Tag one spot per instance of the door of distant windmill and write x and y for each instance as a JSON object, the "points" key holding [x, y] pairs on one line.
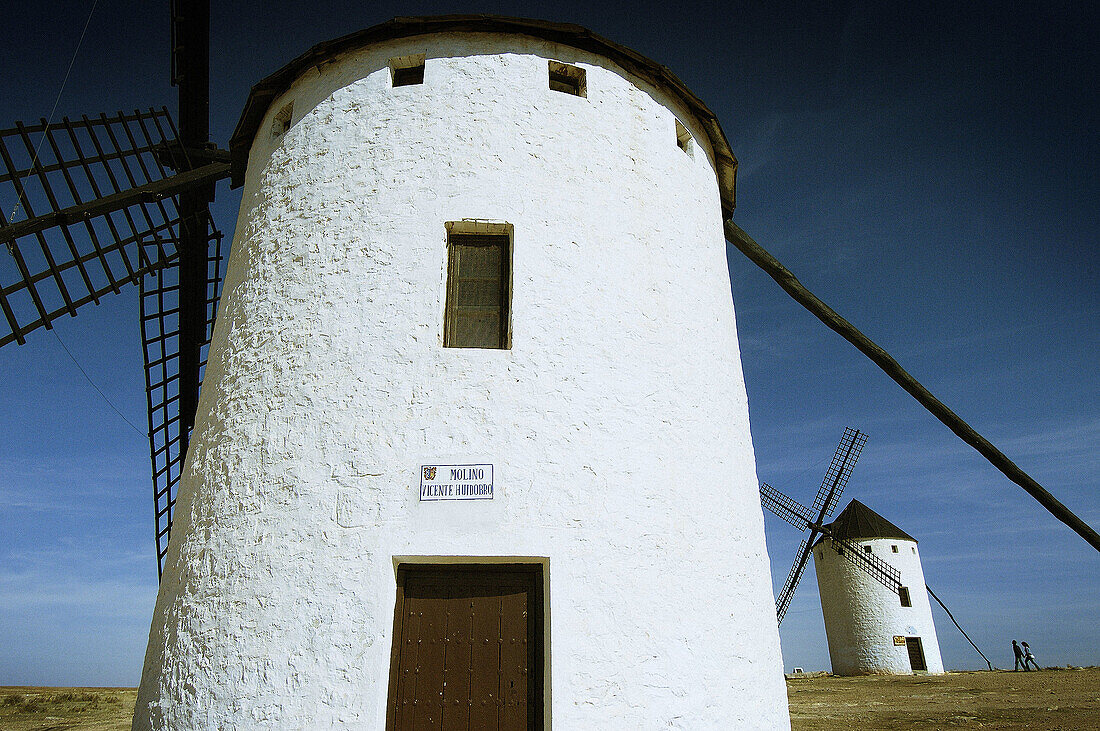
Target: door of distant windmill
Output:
{"points": [[467, 651], [916, 653]]}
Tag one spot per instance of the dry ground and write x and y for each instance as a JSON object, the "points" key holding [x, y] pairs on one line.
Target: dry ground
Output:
{"points": [[1052, 700], [57, 709]]}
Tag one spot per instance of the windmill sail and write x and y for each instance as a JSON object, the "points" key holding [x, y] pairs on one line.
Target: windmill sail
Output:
{"points": [[793, 577], [93, 205], [785, 507], [161, 335], [803, 518], [882, 572], [836, 477], [88, 208]]}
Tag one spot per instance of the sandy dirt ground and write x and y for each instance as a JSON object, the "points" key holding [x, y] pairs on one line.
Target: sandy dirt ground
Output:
{"points": [[1049, 699], [1052, 700]]}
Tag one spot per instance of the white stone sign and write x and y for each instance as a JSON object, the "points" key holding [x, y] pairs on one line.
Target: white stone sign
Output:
{"points": [[456, 482]]}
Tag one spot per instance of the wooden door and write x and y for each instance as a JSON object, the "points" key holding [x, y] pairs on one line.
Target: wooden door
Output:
{"points": [[467, 652], [916, 653]]}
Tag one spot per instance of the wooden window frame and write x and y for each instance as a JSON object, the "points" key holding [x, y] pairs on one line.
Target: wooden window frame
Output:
{"points": [[536, 628], [567, 79], [281, 122], [464, 233], [407, 70], [903, 594], [684, 139]]}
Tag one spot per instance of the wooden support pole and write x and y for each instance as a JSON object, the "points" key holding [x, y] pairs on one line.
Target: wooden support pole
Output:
{"points": [[790, 284]]}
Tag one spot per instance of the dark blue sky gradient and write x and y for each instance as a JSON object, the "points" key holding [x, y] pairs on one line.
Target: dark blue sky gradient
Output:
{"points": [[928, 171]]}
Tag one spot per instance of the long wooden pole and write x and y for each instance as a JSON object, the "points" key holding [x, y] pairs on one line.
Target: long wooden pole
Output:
{"points": [[790, 284]]}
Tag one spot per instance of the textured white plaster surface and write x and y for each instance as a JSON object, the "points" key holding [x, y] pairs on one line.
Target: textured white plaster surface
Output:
{"points": [[617, 423], [862, 616]]}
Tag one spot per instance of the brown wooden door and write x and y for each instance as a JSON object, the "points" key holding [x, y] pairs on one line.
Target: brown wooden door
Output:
{"points": [[916, 653], [467, 652]]}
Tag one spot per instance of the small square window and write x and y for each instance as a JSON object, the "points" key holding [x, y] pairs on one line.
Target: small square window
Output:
{"points": [[903, 593], [866, 549], [567, 79], [893, 549], [281, 123], [913, 549], [683, 139], [407, 70], [479, 272]]}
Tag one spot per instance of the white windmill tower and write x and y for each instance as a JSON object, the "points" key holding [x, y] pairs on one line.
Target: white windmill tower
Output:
{"points": [[872, 629], [472, 446], [873, 593]]}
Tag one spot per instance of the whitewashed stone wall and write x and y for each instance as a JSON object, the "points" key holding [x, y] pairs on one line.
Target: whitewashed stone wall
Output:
{"points": [[617, 422], [862, 616]]}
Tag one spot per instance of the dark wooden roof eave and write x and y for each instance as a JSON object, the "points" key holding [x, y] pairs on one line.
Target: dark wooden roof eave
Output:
{"points": [[261, 95]]}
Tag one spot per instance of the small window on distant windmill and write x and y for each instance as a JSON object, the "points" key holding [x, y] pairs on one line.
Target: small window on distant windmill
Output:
{"points": [[683, 138], [903, 592], [866, 549], [567, 79], [893, 549], [913, 549], [407, 70], [281, 124]]}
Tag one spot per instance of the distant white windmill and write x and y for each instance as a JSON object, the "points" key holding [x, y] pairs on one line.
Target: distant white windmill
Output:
{"points": [[865, 567], [871, 627]]}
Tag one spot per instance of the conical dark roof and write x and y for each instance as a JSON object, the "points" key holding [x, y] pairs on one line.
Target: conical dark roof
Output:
{"points": [[857, 521]]}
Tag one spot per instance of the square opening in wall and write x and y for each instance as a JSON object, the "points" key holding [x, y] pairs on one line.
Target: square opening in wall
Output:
{"points": [[683, 138], [893, 549], [567, 79], [407, 70], [281, 123], [866, 549]]}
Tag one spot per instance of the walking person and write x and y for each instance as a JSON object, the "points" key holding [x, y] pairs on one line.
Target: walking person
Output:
{"points": [[1019, 654], [1029, 658]]}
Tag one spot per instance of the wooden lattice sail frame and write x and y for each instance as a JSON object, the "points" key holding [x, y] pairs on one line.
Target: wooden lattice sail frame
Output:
{"points": [[93, 205]]}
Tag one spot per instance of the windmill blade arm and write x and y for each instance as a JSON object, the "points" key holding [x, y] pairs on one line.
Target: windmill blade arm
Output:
{"points": [[785, 507], [840, 469], [881, 571], [787, 592], [148, 193]]}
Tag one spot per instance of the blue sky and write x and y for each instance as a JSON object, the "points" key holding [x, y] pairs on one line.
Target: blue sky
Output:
{"points": [[929, 172]]}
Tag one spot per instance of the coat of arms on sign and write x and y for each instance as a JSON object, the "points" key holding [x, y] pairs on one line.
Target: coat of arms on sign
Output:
{"points": [[429, 473]]}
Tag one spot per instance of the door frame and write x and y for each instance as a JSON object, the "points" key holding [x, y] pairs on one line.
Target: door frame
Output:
{"points": [[538, 606], [916, 642]]}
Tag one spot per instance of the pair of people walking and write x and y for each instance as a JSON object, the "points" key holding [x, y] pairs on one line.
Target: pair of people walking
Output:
{"points": [[1023, 656]]}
